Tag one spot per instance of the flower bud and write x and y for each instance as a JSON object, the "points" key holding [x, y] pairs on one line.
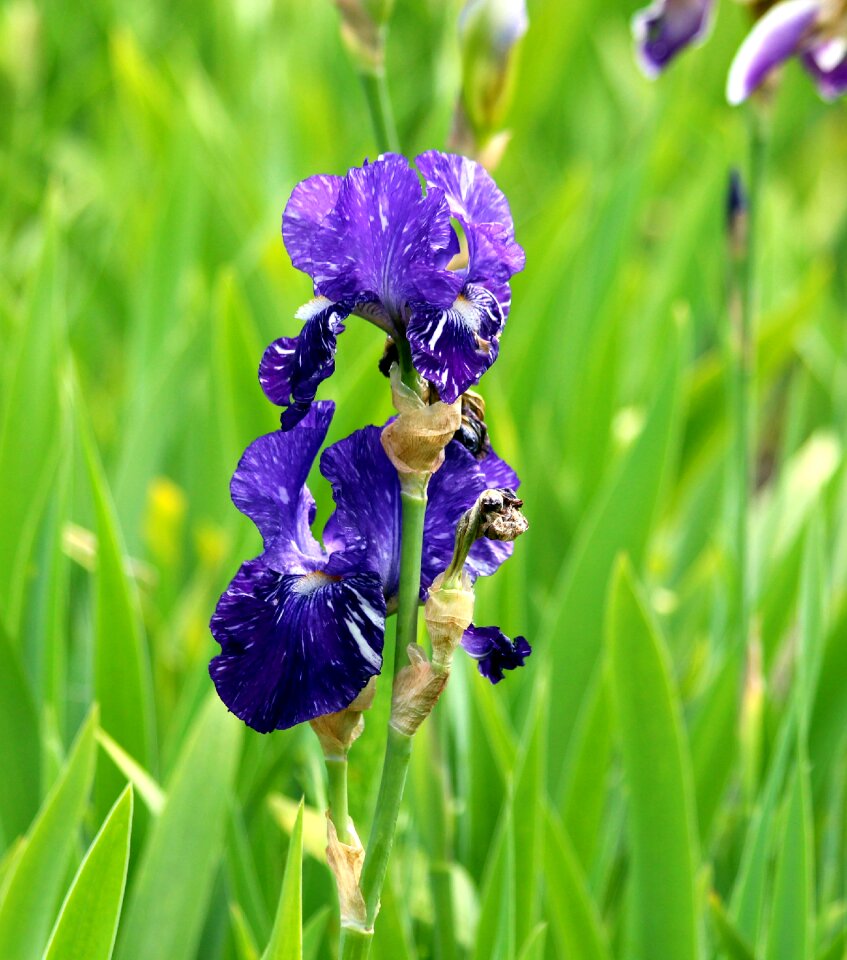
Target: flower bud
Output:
{"points": [[337, 731], [489, 31], [345, 860], [362, 23], [417, 688], [448, 613], [416, 439]]}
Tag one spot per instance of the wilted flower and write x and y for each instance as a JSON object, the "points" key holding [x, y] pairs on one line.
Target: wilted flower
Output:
{"points": [[375, 246], [301, 627], [666, 28], [813, 30], [494, 651]]}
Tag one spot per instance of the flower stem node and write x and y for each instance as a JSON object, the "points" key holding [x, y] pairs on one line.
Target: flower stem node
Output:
{"points": [[415, 440], [337, 731], [417, 688], [345, 860], [448, 614]]}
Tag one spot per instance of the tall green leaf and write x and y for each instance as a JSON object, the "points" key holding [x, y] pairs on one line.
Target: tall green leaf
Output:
{"points": [[657, 766], [88, 921], [286, 941], [31, 888], [170, 893]]}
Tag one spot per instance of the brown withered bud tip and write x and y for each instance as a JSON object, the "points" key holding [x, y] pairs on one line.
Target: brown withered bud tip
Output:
{"points": [[500, 515], [389, 356], [473, 432], [417, 688]]}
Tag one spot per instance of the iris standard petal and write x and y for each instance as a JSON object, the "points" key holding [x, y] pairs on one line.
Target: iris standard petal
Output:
{"points": [[494, 651], [385, 241], [292, 368], [778, 35], [667, 27], [367, 502], [295, 647], [454, 346], [269, 486], [310, 203]]}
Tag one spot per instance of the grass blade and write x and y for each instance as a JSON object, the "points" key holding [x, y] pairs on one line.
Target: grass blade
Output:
{"points": [[286, 941]]}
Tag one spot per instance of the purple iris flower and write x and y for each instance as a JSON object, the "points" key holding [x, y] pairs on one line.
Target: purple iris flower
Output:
{"points": [[667, 27], [813, 30], [377, 246], [494, 651], [301, 627]]}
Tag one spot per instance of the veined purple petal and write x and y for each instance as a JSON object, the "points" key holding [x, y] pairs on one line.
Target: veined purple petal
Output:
{"points": [[384, 241], [454, 346], [367, 515], [292, 368], [295, 647], [269, 486], [667, 27], [778, 35], [310, 203], [827, 63], [367, 497], [494, 651]]}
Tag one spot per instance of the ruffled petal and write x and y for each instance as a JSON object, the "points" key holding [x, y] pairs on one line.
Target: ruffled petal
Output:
{"points": [[666, 28], [453, 347], [827, 63], [310, 204], [367, 502], [494, 651], [292, 368], [269, 486], [778, 35], [384, 241], [295, 647]]}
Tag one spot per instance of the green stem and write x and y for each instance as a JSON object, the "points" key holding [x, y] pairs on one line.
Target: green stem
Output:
{"points": [[336, 769], [355, 944], [379, 105], [745, 379]]}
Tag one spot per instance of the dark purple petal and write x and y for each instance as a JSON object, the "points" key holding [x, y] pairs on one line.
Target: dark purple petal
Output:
{"points": [[494, 651], [367, 498], [367, 515], [667, 27], [453, 347], [778, 35], [269, 486], [827, 63], [295, 647], [310, 203], [453, 489], [293, 368], [384, 240]]}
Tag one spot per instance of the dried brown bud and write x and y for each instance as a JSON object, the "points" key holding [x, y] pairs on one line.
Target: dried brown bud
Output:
{"points": [[417, 688], [415, 441], [448, 613], [345, 860], [337, 731], [473, 432], [500, 515]]}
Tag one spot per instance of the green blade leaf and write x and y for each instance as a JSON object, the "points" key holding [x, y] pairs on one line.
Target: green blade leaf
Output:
{"points": [[573, 915], [31, 887], [790, 934], [168, 899], [657, 766], [286, 941], [88, 921], [20, 746], [731, 941]]}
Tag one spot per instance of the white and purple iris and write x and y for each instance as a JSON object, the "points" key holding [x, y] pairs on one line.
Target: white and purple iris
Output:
{"points": [[377, 246], [815, 31], [301, 627]]}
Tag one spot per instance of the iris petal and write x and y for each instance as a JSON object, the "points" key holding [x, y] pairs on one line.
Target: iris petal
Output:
{"points": [[295, 647], [494, 651], [269, 487], [666, 28], [828, 72]]}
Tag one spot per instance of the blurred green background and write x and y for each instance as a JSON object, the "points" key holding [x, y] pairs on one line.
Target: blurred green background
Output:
{"points": [[642, 788]]}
